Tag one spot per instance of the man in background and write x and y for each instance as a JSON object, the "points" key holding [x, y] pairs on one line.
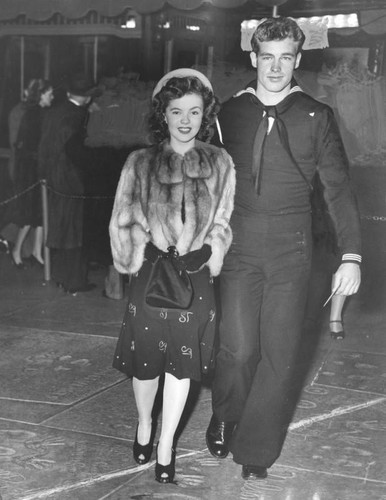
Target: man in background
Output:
{"points": [[60, 160]]}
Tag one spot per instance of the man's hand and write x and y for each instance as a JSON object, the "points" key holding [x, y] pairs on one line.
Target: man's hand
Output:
{"points": [[347, 279]]}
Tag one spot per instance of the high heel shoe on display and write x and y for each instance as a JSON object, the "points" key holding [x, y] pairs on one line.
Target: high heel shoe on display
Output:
{"points": [[144, 451], [165, 473]]}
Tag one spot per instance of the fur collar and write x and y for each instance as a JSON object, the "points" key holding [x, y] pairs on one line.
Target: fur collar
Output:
{"points": [[172, 167]]}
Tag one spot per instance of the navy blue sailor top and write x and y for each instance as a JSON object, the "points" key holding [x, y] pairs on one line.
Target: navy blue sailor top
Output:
{"points": [[315, 144]]}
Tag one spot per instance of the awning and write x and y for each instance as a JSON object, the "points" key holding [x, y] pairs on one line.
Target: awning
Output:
{"points": [[41, 10], [372, 20]]}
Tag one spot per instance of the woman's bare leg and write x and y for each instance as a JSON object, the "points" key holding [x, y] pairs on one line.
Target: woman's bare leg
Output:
{"points": [[21, 236], [337, 303], [38, 244], [145, 392], [174, 399]]}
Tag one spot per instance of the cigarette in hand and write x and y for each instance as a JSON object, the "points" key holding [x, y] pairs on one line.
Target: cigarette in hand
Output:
{"points": [[329, 298]]}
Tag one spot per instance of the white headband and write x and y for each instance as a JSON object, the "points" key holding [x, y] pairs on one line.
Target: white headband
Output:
{"points": [[181, 73]]}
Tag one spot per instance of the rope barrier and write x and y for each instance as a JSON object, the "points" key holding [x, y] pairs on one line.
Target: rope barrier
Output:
{"points": [[381, 218], [79, 196], [18, 195], [44, 198], [64, 195]]}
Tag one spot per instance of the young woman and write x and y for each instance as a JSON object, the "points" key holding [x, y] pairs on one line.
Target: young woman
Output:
{"points": [[28, 213], [179, 192]]}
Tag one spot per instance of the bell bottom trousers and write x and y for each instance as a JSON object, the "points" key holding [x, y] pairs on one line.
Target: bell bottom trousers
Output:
{"points": [[263, 291]]}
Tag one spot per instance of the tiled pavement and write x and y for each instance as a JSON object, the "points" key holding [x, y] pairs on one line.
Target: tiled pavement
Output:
{"points": [[67, 419]]}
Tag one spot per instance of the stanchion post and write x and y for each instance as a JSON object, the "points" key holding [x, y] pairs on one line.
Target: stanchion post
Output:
{"points": [[47, 262]]}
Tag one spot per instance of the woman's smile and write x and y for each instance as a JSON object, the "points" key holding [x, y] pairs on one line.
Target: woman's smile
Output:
{"points": [[184, 118]]}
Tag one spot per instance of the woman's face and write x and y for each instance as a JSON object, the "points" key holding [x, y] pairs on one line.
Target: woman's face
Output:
{"points": [[184, 117], [46, 98]]}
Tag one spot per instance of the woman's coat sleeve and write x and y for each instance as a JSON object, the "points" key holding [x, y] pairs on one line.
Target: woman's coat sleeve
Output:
{"points": [[129, 231], [219, 236]]}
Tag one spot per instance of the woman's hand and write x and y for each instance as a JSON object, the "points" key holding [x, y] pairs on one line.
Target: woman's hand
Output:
{"points": [[152, 253], [196, 259]]}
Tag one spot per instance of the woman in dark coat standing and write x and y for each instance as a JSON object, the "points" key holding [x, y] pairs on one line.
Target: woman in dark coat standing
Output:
{"points": [[62, 128], [28, 213]]}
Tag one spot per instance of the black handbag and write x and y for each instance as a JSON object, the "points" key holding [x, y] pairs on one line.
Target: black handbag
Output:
{"points": [[169, 285]]}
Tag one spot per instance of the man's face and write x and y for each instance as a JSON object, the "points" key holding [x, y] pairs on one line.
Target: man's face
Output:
{"points": [[275, 64]]}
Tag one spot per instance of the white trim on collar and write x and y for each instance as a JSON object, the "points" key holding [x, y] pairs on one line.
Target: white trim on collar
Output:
{"points": [[251, 90]]}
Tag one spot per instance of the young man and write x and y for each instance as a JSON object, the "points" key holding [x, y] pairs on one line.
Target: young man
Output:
{"points": [[278, 137]]}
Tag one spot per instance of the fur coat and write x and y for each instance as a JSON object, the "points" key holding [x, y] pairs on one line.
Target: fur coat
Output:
{"points": [[157, 187]]}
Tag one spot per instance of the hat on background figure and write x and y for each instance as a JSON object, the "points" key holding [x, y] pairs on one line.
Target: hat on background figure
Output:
{"points": [[81, 84]]}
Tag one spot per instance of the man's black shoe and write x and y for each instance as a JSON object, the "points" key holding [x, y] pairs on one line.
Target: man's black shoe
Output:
{"points": [[253, 472], [218, 436]]}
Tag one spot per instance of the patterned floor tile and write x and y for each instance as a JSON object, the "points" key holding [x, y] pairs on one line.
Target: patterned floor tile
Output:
{"points": [[54, 368], [92, 315], [113, 413], [202, 477], [37, 462], [319, 400], [349, 442], [29, 412], [356, 370]]}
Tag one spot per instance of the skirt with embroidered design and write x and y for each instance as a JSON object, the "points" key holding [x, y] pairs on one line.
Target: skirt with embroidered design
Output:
{"points": [[156, 341]]}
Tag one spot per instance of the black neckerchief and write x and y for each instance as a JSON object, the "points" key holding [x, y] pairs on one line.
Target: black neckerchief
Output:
{"points": [[261, 133]]}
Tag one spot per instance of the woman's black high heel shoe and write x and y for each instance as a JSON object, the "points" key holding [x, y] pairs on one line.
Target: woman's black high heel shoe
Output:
{"points": [[19, 265], [35, 262], [165, 473], [340, 334], [140, 451]]}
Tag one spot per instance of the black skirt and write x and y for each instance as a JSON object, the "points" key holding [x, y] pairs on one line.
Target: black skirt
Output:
{"points": [[156, 341]]}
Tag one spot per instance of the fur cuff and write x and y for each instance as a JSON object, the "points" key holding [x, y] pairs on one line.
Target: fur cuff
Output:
{"points": [[130, 257], [216, 259]]}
